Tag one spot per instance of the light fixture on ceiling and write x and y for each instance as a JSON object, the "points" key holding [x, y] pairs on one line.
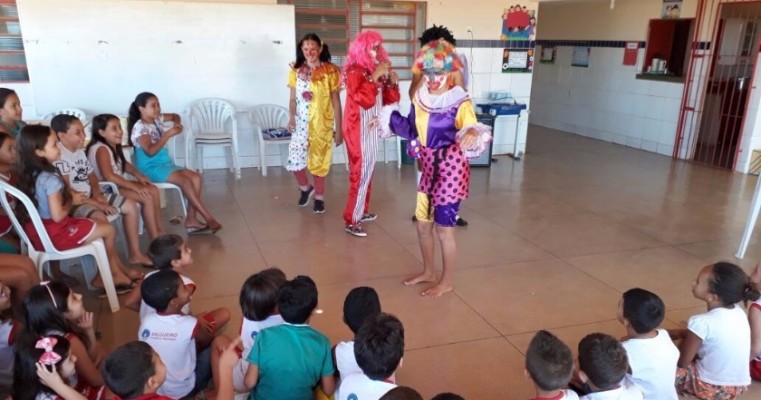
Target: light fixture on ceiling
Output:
{"points": [[612, 4]]}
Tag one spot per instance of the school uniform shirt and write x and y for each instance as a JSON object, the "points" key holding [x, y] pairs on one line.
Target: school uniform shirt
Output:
{"points": [[76, 167], [173, 338], [723, 355], [346, 362], [291, 360], [8, 331], [360, 387], [249, 330], [145, 309], [563, 395], [93, 159], [623, 392], [653, 365]]}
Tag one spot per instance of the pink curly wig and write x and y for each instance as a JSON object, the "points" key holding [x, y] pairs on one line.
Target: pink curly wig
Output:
{"points": [[359, 51]]}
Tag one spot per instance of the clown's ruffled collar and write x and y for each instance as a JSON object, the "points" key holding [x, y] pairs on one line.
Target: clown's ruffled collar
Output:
{"points": [[437, 104], [307, 73]]}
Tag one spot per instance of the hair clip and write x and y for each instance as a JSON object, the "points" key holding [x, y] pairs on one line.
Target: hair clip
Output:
{"points": [[49, 357], [52, 298]]}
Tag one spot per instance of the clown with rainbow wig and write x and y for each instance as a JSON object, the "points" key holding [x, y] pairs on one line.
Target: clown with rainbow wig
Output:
{"points": [[370, 85], [443, 133]]}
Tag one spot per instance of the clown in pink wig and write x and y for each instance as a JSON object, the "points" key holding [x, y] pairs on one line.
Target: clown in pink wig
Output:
{"points": [[370, 84]]}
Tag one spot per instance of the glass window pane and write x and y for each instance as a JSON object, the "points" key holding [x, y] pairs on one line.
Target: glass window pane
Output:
{"points": [[404, 74], [397, 34], [10, 28], [394, 6], [316, 4], [8, 11], [399, 47], [13, 59], [10, 43], [399, 62], [6, 76], [318, 19], [326, 34], [387, 20]]}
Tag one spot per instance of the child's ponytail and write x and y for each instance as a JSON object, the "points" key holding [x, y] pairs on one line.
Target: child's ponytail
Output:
{"points": [[731, 284], [751, 292]]}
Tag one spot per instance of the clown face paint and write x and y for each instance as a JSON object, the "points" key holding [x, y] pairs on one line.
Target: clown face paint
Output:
{"points": [[436, 80], [374, 53], [311, 50]]}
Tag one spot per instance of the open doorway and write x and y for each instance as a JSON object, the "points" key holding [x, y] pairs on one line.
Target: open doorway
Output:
{"points": [[732, 58]]}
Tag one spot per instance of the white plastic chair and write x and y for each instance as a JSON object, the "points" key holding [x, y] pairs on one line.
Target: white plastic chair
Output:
{"points": [[211, 117], [263, 118], [398, 141], [115, 190], [68, 111], [96, 248], [164, 186]]}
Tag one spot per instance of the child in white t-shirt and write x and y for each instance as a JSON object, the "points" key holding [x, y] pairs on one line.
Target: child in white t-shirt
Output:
{"points": [[78, 173], [172, 252], [258, 302], [713, 361], [549, 365], [652, 355], [360, 304], [602, 366], [173, 335], [379, 348]]}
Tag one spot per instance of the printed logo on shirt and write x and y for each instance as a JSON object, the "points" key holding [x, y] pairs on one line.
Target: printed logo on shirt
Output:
{"points": [[253, 334], [352, 396], [146, 334], [80, 169]]}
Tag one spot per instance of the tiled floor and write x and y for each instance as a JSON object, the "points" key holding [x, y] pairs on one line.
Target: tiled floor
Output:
{"points": [[553, 241]]}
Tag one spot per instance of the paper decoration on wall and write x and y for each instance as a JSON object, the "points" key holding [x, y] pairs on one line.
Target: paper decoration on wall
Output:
{"points": [[518, 23], [517, 61], [581, 56], [548, 55], [672, 9], [631, 50]]}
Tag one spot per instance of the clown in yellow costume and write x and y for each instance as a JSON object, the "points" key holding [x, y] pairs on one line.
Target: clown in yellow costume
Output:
{"points": [[314, 108]]}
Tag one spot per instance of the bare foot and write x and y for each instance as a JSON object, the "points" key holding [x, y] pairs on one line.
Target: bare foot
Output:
{"points": [[141, 259], [214, 225], [437, 290], [420, 278], [132, 275]]}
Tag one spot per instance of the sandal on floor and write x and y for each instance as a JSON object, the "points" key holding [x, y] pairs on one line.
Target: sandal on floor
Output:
{"points": [[175, 220], [198, 230]]}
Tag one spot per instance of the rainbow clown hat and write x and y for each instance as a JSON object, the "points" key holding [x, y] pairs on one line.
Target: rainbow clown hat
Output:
{"points": [[438, 54]]}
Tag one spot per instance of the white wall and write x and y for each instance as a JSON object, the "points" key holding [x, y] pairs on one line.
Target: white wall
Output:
{"points": [[606, 102]]}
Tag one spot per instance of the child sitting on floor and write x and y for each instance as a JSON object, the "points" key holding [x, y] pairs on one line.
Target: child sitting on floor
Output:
{"points": [[134, 371], [173, 335], [549, 365], [713, 360], [602, 366], [361, 304], [172, 252], [292, 355], [379, 348], [652, 355]]}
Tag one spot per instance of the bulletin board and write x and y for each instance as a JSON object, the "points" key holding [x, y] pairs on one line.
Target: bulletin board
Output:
{"points": [[98, 55]]}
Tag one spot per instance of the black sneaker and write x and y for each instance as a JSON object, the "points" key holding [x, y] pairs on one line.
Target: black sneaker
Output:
{"points": [[461, 222], [305, 196], [355, 230], [319, 206], [369, 217]]}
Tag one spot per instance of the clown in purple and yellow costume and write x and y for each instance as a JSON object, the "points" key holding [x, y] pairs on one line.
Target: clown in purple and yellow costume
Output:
{"points": [[444, 133]]}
